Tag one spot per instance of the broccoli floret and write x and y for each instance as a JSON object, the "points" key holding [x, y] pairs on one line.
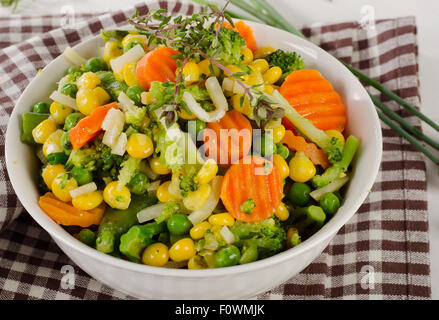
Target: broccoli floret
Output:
{"points": [[138, 238], [171, 208], [227, 50], [135, 116], [287, 61], [188, 181], [116, 35], [338, 167], [268, 236], [128, 168], [247, 206], [83, 158]]}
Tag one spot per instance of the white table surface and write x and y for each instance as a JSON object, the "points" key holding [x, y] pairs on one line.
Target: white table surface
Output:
{"points": [[320, 11]]}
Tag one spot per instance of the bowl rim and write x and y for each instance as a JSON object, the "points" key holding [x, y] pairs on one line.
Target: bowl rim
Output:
{"points": [[327, 231]]}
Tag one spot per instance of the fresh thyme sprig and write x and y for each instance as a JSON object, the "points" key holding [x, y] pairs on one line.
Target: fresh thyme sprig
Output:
{"points": [[200, 37]]}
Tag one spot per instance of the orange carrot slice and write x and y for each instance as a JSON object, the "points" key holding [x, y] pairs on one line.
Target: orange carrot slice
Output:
{"points": [[314, 98], [297, 143], [156, 65], [252, 179], [228, 139], [89, 127], [67, 215]]}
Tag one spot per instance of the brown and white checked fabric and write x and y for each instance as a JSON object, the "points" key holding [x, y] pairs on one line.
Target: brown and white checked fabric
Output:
{"points": [[389, 233]]}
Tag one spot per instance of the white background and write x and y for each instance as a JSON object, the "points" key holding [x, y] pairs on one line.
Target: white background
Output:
{"points": [[320, 11]]}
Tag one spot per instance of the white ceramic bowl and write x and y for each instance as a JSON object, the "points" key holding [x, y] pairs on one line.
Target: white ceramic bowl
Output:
{"points": [[236, 282]]}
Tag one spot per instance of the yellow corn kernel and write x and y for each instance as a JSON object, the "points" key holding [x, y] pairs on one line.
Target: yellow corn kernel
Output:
{"points": [[255, 79], [182, 113], [89, 99], [156, 165], [59, 112], [88, 80], [118, 76], [191, 73], [222, 219], [43, 130], [197, 262], [247, 55], [278, 134], [111, 50], [259, 65], [196, 199], [197, 232], [50, 172], [272, 75], [115, 197], [273, 123], [53, 143], [216, 228], [88, 201], [163, 194], [290, 233], [262, 52], [207, 172], [156, 255], [61, 187], [301, 168], [204, 68], [336, 134], [245, 107], [182, 250], [281, 165], [135, 37], [282, 212], [139, 146], [129, 73], [269, 89]]}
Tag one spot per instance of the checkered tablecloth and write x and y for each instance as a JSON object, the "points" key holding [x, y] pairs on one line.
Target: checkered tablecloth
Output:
{"points": [[386, 241]]}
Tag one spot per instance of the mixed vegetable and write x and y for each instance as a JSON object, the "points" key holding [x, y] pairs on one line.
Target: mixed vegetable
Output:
{"points": [[188, 146]]}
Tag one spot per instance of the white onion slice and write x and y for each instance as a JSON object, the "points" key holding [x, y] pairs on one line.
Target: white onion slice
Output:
{"points": [[216, 94], [174, 188], [121, 144], [132, 55], [125, 102], [111, 136], [114, 117], [63, 99], [211, 203], [227, 235], [86, 188], [150, 213], [232, 86], [73, 57], [153, 187]]}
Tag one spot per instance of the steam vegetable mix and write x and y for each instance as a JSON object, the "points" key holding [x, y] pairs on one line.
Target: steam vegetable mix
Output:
{"points": [[131, 149]]}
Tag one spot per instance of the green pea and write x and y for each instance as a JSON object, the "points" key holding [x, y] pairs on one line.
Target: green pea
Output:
{"points": [[41, 107], [282, 150], [131, 44], [179, 224], [73, 70], [299, 194], [227, 256], [330, 203], [133, 92], [264, 145], [199, 126], [95, 64], [81, 175], [87, 237], [66, 145], [139, 183], [69, 89], [57, 158], [72, 120], [249, 254]]}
